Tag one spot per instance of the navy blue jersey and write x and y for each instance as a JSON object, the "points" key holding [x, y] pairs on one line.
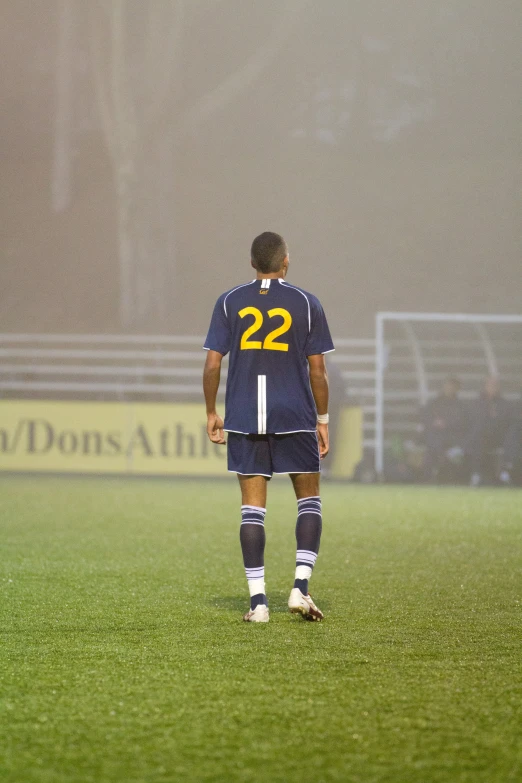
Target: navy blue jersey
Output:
{"points": [[269, 328]]}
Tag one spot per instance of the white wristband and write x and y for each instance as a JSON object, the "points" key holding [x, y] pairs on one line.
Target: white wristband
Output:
{"points": [[323, 418]]}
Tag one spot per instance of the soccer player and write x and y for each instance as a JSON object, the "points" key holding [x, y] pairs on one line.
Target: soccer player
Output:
{"points": [[276, 409]]}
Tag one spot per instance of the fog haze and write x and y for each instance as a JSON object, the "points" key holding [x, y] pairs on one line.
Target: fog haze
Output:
{"points": [[145, 143]]}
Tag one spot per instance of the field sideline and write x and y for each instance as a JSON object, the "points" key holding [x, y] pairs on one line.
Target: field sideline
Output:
{"points": [[123, 656]]}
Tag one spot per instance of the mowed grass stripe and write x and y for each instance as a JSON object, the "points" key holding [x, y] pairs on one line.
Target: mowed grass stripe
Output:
{"points": [[124, 657]]}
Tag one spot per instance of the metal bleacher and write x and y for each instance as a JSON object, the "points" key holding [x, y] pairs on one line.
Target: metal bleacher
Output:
{"points": [[147, 367], [390, 377]]}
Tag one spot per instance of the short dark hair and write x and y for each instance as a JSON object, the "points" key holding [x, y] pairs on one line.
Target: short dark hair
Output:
{"points": [[268, 252]]}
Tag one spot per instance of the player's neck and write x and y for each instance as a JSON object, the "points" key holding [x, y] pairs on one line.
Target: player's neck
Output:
{"points": [[270, 276]]}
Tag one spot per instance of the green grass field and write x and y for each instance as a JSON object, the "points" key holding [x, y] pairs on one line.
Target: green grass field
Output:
{"points": [[123, 655]]}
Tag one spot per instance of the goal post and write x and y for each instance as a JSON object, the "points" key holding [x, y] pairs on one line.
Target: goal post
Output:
{"points": [[416, 351]]}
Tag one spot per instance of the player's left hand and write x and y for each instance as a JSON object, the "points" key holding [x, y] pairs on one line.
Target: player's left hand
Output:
{"points": [[215, 426], [324, 440]]}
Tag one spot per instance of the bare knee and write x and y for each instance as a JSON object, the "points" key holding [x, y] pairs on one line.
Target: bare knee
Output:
{"points": [[253, 490], [306, 485]]}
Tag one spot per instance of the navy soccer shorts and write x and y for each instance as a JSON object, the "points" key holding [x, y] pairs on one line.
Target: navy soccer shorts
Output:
{"points": [[263, 455]]}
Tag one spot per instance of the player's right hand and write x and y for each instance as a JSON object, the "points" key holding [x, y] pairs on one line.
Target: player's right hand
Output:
{"points": [[324, 440], [215, 430]]}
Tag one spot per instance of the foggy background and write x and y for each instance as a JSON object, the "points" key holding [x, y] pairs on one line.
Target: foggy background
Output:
{"points": [[146, 142]]}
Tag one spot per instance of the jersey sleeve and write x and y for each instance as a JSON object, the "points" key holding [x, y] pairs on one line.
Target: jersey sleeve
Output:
{"points": [[319, 338], [219, 335]]}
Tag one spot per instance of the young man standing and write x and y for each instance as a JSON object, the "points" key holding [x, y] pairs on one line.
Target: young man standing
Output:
{"points": [[276, 409]]}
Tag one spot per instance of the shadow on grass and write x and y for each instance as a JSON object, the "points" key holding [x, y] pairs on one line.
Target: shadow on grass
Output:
{"points": [[230, 603], [278, 603]]}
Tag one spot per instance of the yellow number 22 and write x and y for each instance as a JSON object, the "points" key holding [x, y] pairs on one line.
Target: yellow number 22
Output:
{"points": [[269, 344]]}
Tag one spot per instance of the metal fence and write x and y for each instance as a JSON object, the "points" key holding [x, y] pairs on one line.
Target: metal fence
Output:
{"points": [[159, 367], [389, 377]]}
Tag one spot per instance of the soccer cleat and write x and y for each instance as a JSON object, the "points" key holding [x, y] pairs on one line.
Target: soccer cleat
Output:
{"points": [[303, 605], [257, 615]]}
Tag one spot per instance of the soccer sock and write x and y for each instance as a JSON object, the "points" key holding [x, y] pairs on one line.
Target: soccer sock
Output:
{"points": [[252, 537], [308, 536]]}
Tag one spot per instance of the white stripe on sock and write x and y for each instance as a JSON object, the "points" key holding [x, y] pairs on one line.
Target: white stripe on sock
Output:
{"points": [[255, 573], [303, 556]]}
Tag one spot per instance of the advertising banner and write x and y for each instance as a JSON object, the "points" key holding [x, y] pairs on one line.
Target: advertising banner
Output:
{"points": [[107, 437], [124, 438], [348, 450]]}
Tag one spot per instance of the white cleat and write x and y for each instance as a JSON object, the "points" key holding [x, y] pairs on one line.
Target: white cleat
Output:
{"points": [[303, 605], [258, 615]]}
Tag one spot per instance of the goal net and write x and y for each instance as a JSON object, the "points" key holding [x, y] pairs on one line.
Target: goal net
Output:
{"points": [[415, 352]]}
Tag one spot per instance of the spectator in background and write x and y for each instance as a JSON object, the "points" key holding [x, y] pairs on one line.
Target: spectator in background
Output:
{"points": [[443, 424], [512, 458], [490, 420]]}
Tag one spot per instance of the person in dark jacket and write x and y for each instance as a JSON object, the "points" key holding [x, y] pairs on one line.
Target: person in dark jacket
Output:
{"points": [[443, 423], [491, 417], [512, 461]]}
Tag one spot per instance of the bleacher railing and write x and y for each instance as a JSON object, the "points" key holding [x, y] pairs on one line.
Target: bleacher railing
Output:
{"points": [[159, 367]]}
